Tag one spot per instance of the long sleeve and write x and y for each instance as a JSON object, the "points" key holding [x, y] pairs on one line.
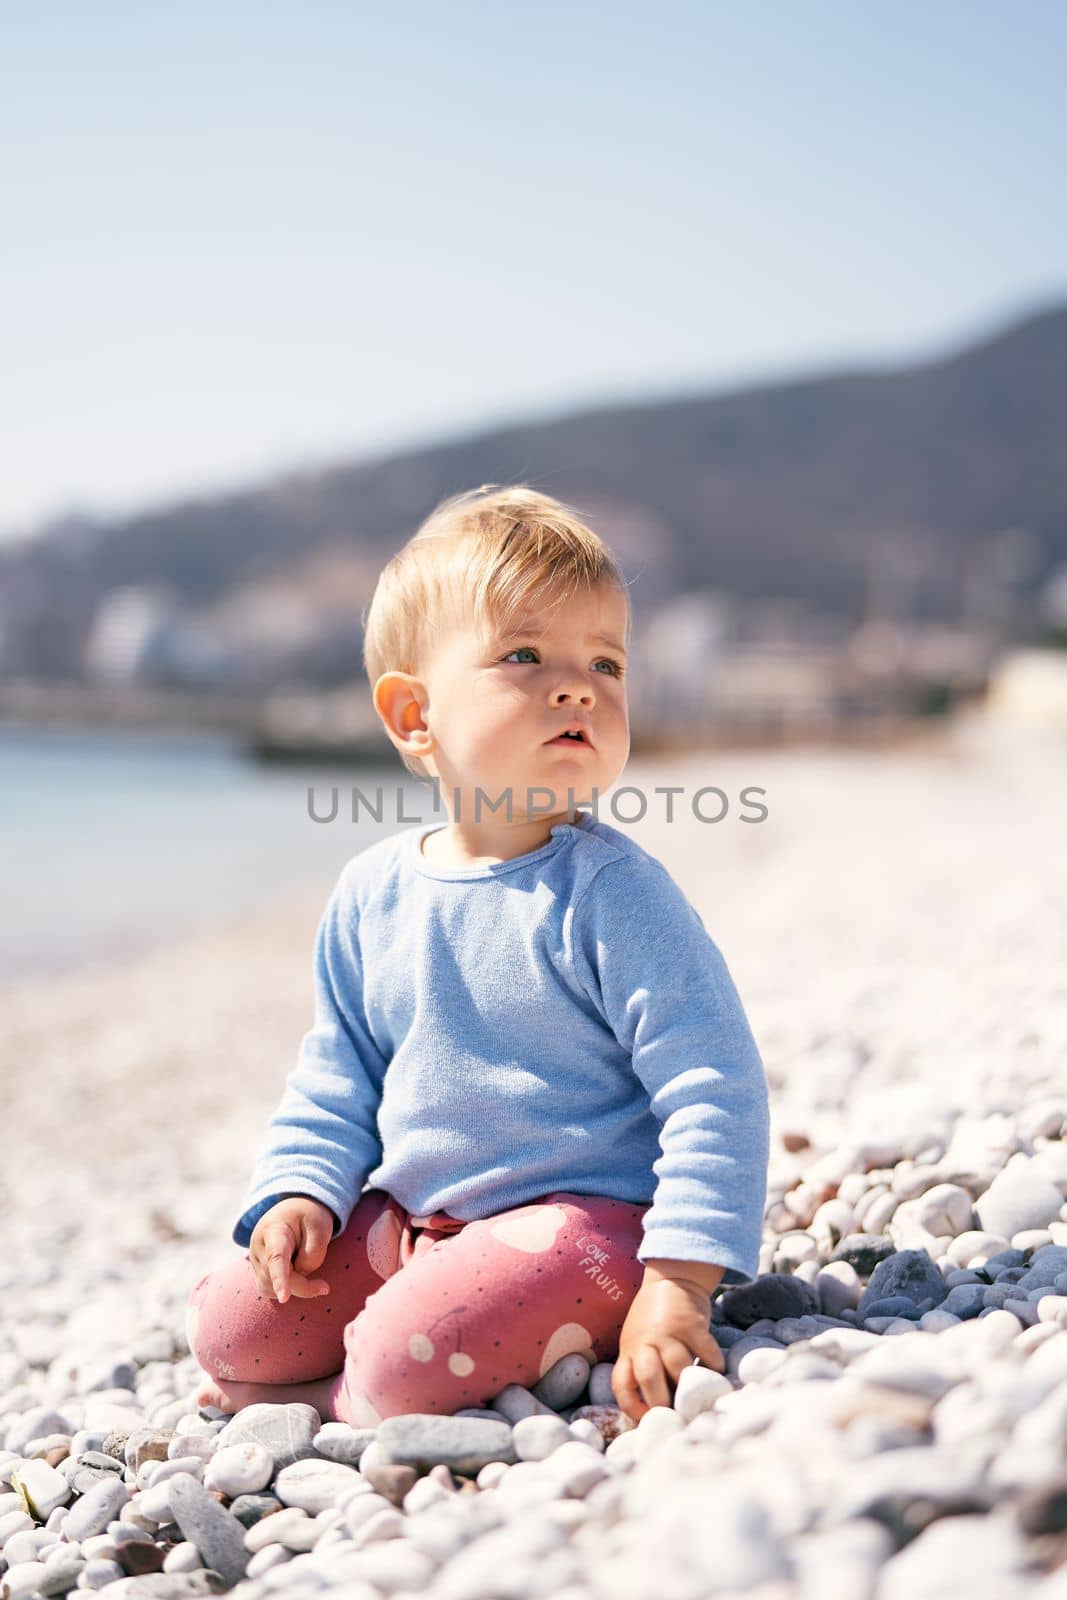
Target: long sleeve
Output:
{"points": [[323, 1137], [661, 984]]}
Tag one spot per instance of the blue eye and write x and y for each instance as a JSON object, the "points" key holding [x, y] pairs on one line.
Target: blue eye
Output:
{"points": [[616, 667]]}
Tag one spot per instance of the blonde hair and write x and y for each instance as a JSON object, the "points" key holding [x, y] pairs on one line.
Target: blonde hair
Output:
{"points": [[486, 556]]}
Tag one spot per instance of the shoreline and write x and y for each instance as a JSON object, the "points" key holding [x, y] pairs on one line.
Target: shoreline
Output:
{"points": [[882, 893]]}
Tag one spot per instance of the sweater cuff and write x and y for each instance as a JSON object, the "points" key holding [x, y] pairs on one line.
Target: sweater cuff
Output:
{"points": [[675, 1244], [264, 1199]]}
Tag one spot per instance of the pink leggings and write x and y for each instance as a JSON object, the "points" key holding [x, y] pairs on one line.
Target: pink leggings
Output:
{"points": [[429, 1313]]}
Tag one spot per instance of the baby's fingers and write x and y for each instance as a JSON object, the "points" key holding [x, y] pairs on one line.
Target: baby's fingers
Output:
{"points": [[303, 1288], [279, 1242], [625, 1390]]}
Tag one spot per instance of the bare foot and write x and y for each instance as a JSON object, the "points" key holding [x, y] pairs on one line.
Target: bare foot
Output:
{"points": [[231, 1397]]}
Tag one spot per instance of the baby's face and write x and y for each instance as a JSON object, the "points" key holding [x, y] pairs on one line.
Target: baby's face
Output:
{"points": [[497, 704]]}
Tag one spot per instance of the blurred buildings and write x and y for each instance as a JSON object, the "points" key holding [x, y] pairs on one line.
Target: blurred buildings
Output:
{"points": [[806, 558], [283, 659]]}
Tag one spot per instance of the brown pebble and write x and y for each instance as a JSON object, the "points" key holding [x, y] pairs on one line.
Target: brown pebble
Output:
{"points": [[137, 1560], [392, 1481], [55, 1456], [608, 1420], [147, 1444], [895, 1405], [1047, 1551], [796, 1141]]}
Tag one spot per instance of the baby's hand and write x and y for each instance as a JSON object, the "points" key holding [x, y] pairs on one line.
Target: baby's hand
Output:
{"points": [[295, 1233], [666, 1326]]}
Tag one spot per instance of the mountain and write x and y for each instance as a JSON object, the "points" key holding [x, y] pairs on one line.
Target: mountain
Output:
{"points": [[809, 489]]}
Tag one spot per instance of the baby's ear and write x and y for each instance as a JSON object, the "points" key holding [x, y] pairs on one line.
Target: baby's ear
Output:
{"points": [[398, 699]]}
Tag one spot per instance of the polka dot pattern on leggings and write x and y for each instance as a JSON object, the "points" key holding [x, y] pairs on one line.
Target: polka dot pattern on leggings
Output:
{"points": [[533, 1229], [569, 1340], [420, 1347], [383, 1244]]}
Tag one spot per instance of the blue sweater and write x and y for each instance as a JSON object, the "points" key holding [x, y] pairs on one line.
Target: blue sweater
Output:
{"points": [[486, 1035]]}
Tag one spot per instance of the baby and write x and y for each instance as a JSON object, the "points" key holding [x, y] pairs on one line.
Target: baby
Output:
{"points": [[530, 1119]]}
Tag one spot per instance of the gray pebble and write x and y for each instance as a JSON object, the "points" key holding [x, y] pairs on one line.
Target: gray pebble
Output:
{"points": [[214, 1531], [338, 1442], [793, 1330], [894, 1305], [1005, 1258], [997, 1295], [1025, 1310], [911, 1274], [563, 1383], [514, 1402], [774, 1295], [96, 1509], [863, 1251], [965, 1300], [107, 1375], [600, 1390], [1047, 1265], [725, 1336], [286, 1431], [463, 1444], [250, 1508]]}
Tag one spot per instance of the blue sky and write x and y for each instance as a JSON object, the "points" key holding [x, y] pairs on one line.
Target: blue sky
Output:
{"points": [[240, 238]]}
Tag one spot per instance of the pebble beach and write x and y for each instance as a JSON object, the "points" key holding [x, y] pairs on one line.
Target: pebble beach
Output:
{"points": [[892, 1420]]}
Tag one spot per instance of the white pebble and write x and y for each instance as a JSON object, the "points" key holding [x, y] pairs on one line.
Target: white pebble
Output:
{"points": [[756, 1362], [43, 1486], [240, 1469], [184, 1557], [577, 1467], [697, 1390], [24, 1578], [535, 1438], [99, 1573], [314, 1484], [425, 1492], [527, 1483], [385, 1524], [272, 1555], [29, 1545], [360, 1508], [275, 1529]]}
